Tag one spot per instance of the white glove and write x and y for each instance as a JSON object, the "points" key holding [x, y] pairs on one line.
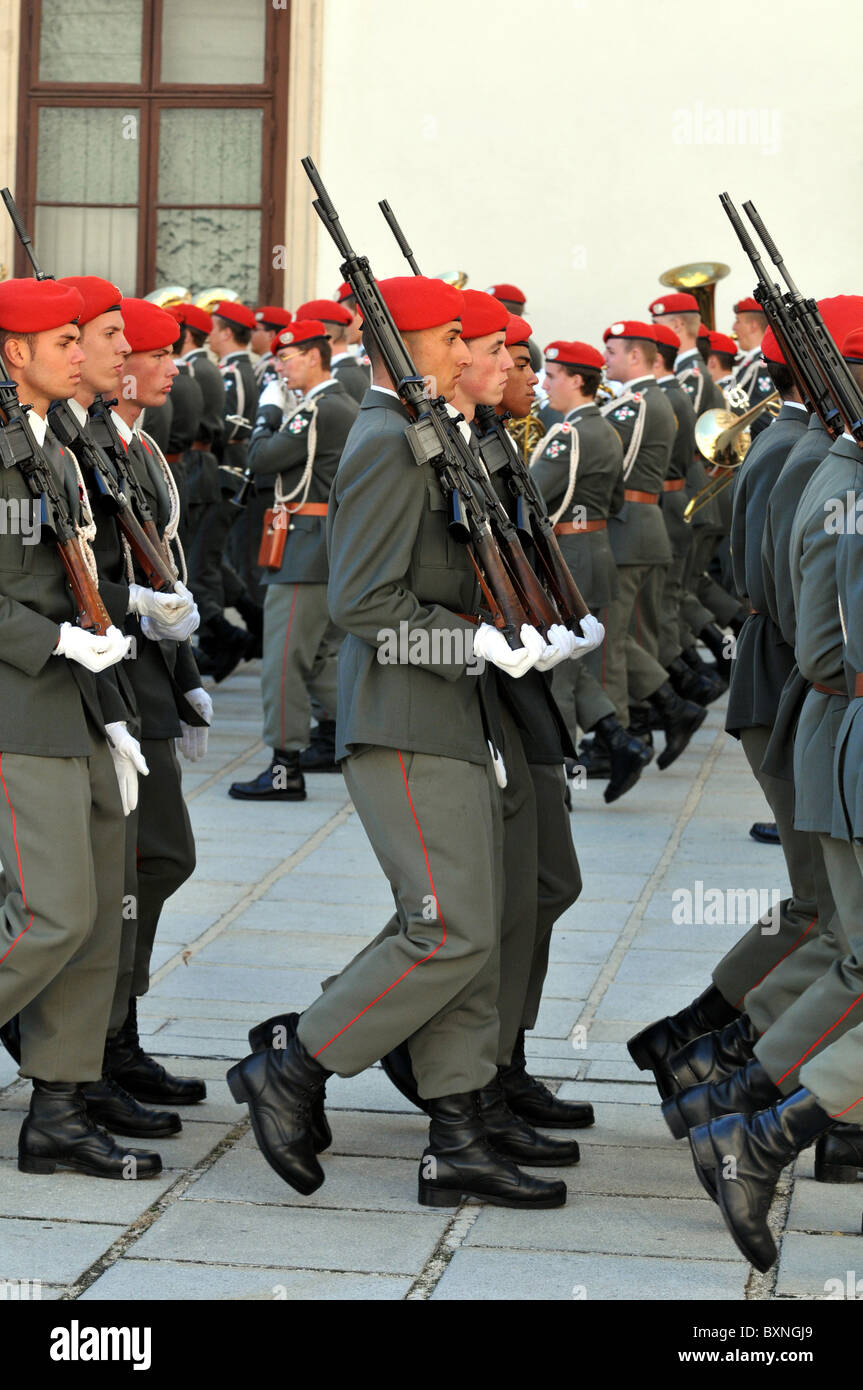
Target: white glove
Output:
{"points": [[491, 645], [193, 744], [89, 650], [128, 762], [561, 646], [200, 702], [165, 607], [498, 764], [594, 636]]}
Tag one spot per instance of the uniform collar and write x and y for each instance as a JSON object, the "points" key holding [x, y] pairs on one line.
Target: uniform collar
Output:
{"points": [[39, 426], [321, 386], [684, 358], [639, 383], [340, 357], [236, 356], [579, 411], [78, 411], [122, 428]]}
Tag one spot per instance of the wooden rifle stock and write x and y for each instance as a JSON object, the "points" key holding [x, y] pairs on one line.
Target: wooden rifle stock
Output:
{"points": [[92, 614]]}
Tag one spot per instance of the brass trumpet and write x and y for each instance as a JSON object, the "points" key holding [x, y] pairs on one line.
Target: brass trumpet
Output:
{"points": [[723, 438]]}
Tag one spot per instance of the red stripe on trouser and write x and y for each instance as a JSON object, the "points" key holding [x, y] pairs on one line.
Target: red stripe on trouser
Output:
{"points": [[847, 1108], [285, 661], [792, 947], [825, 1034], [437, 908], [18, 856]]}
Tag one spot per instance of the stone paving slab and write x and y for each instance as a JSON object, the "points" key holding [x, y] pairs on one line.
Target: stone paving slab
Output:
{"points": [[168, 1280], [525, 1275]]}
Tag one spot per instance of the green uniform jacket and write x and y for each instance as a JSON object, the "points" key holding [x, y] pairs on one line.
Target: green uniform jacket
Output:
{"points": [[157, 421], [763, 660], [819, 645], [395, 569], [209, 378], [801, 463], [353, 376], [241, 398], [285, 452], [598, 490], [704, 394], [637, 533], [187, 400], [848, 766], [673, 504]]}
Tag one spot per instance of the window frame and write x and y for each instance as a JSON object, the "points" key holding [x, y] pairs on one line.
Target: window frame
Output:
{"points": [[150, 98]]}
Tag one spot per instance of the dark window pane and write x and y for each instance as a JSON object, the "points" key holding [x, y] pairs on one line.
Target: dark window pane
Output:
{"points": [[209, 246]]}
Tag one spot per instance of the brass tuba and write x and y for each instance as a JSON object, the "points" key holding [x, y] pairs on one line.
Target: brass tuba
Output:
{"points": [[457, 278], [526, 431], [208, 299], [723, 439], [169, 294], [698, 278]]}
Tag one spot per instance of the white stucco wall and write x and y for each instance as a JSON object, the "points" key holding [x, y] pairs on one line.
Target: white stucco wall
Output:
{"points": [[577, 147]]}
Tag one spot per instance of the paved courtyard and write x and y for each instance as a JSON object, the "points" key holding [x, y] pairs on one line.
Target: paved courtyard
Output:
{"points": [[283, 895]]}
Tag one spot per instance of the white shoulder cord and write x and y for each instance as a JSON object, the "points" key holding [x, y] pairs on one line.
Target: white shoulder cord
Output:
{"points": [[85, 533], [574, 454], [169, 535], [635, 442], [301, 491]]}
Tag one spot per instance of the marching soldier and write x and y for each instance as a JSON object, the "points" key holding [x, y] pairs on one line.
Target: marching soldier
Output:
{"points": [[298, 457], [750, 324], [578, 468], [720, 360], [353, 372], [415, 738], [345, 296], [269, 320], [230, 339], [681, 314], [510, 296], [67, 777], [645, 422]]}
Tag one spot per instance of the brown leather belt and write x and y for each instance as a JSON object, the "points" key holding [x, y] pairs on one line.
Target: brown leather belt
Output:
{"points": [[308, 509], [201, 444], [673, 484], [573, 528], [828, 690], [858, 686], [174, 458], [632, 496]]}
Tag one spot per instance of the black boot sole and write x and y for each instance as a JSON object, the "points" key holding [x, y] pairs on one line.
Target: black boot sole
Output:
{"points": [[431, 1196], [130, 1131], [664, 760], [241, 1095], [610, 796], [148, 1097], [30, 1163], [266, 796], [835, 1172], [543, 1122]]}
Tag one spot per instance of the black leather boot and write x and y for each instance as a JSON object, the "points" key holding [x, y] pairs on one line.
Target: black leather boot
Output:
{"points": [[749, 1153], [513, 1138], [742, 1093], [765, 832], [58, 1132], [224, 644], [839, 1155], [142, 1076], [399, 1068], [113, 1108], [653, 1047], [252, 615], [593, 761], [698, 686], [696, 663], [713, 1055], [281, 1087], [642, 722], [281, 781], [627, 756], [459, 1161], [280, 1029], [679, 719], [320, 756], [10, 1036], [534, 1102], [717, 643]]}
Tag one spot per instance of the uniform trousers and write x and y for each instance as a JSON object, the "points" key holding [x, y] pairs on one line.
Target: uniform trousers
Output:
{"points": [[61, 844], [301, 648], [159, 858], [632, 671], [578, 690], [435, 825]]}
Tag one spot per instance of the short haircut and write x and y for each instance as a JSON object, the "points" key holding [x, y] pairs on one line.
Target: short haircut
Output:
{"points": [[198, 335], [178, 341], [242, 334], [648, 349], [370, 346], [668, 353], [590, 377], [28, 338], [691, 319], [725, 359], [324, 348], [782, 378]]}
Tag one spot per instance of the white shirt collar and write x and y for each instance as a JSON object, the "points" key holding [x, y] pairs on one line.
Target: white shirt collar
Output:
{"points": [[685, 356], [669, 376], [122, 428], [78, 411], [387, 391], [798, 405], [340, 357], [639, 381], [39, 426], [321, 386], [749, 356]]}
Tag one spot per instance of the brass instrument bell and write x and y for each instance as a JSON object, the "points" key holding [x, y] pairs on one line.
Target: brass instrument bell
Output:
{"points": [[698, 278]]}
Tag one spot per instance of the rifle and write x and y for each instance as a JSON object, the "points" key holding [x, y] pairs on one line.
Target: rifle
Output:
{"points": [[532, 520], [18, 448], [834, 370], [804, 364], [143, 536]]}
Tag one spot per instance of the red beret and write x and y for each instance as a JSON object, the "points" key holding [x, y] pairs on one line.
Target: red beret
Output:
{"points": [[770, 349], [326, 310], [663, 334], [98, 295], [748, 306], [192, 316], [482, 314], [35, 306], [272, 316], [702, 331], [630, 328], [512, 293], [841, 313], [674, 304], [575, 355], [233, 312], [344, 292], [852, 347], [300, 331], [417, 303], [147, 327], [518, 330], [720, 342]]}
